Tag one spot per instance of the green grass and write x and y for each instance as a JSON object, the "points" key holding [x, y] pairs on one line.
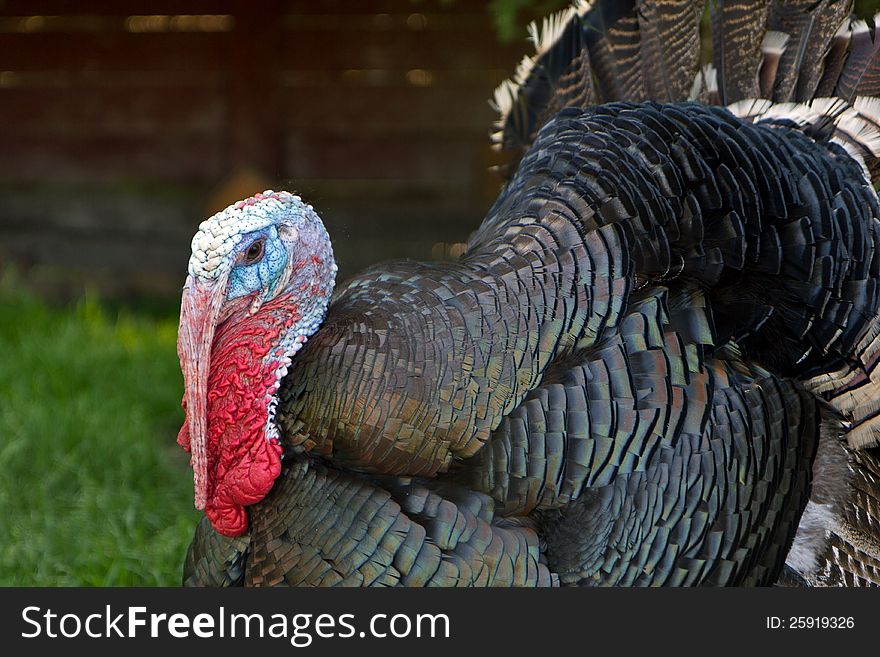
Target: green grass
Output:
{"points": [[93, 488]]}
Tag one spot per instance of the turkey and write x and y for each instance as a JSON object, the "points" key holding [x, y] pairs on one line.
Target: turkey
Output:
{"points": [[654, 364]]}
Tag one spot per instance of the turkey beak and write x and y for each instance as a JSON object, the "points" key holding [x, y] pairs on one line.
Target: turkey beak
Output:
{"points": [[199, 311]]}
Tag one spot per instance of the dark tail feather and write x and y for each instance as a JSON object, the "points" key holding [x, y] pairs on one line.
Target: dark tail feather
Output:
{"points": [[600, 52], [772, 50], [838, 51], [825, 23], [558, 76], [790, 19], [670, 47], [869, 85], [637, 50], [613, 39], [861, 51], [737, 33]]}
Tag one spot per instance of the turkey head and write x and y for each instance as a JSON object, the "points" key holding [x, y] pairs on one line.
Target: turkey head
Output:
{"points": [[260, 278]]}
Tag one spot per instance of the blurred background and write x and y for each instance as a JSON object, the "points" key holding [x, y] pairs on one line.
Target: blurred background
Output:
{"points": [[125, 124]]}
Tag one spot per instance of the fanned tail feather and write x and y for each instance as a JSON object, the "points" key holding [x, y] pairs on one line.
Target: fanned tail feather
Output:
{"points": [[862, 52], [639, 50], [557, 76], [737, 34], [670, 46], [772, 50]]}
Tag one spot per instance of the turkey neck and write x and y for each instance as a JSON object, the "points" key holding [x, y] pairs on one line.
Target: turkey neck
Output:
{"points": [[248, 358], [417, 363]]}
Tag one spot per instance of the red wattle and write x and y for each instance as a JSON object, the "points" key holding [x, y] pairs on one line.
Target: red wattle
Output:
{"points": [[242, 463]]}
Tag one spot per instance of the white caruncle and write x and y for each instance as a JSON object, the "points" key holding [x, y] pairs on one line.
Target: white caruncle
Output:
{"points": [[220, 234], [289, 345]]}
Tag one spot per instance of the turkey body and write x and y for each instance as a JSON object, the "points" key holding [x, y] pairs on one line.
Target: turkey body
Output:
{"points": [[629, 378]]}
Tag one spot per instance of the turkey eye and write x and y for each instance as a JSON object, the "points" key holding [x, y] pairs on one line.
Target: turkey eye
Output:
{"points": [[254, 252]]}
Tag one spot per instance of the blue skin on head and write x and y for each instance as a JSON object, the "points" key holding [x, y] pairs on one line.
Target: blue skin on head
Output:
{"points": [[265, 272]]}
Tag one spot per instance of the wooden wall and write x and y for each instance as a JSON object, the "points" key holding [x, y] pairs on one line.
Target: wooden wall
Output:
{"points": [[123, 124]]}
